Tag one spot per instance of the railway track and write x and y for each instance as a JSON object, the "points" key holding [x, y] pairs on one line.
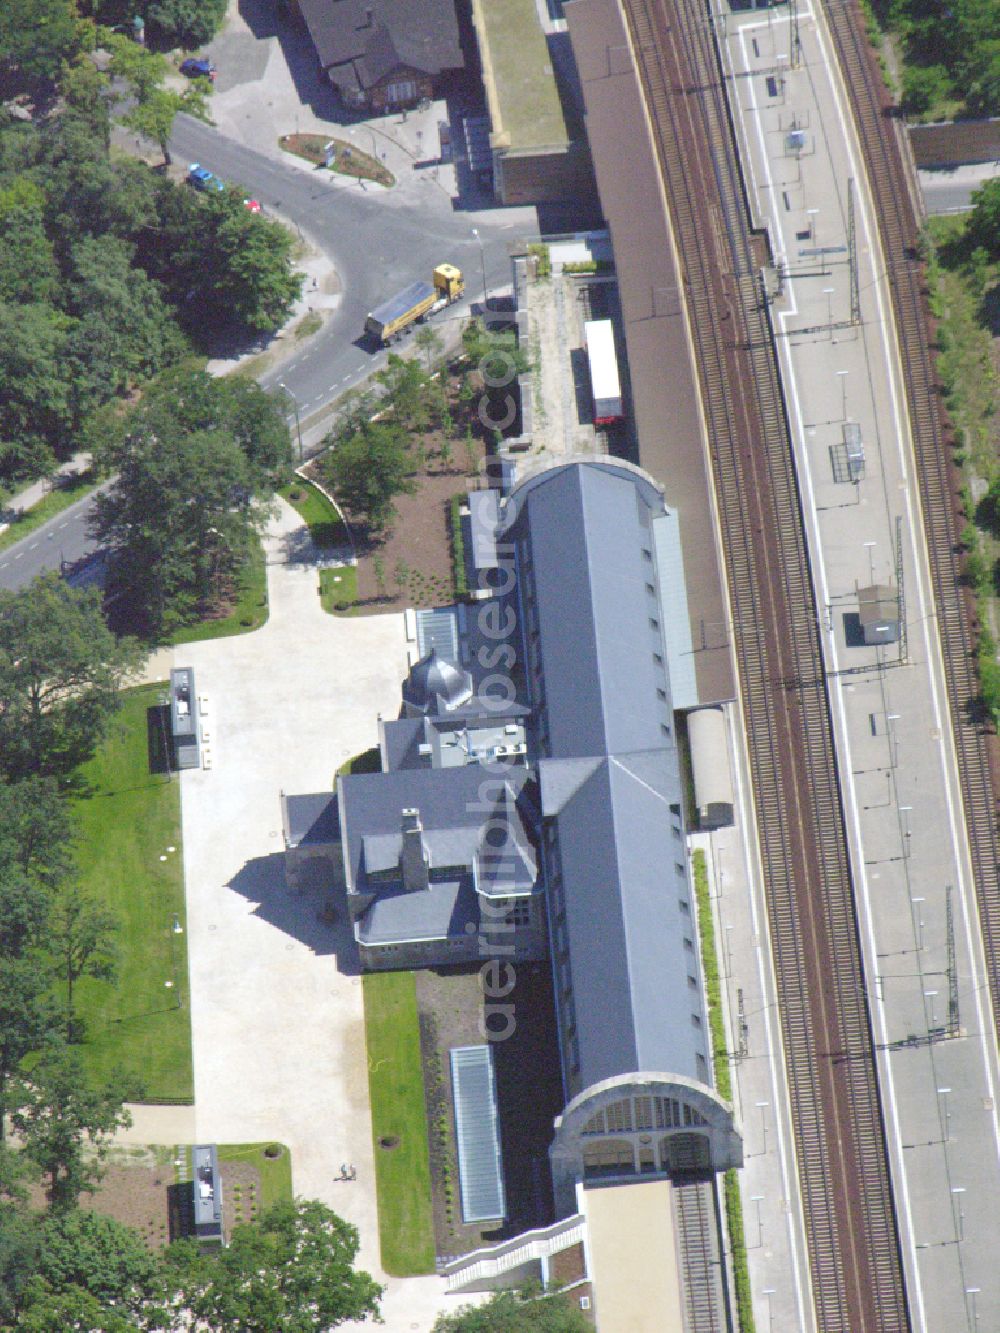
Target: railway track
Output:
{"points": [[706, 1309], [857, 1282], [954, 606]]}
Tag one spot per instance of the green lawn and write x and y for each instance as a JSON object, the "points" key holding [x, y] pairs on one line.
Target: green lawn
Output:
{"points": [[47, 507], [326, 527], [396, 1087], [275, 1172], [126, 822], [338, 589], [249, 612]]}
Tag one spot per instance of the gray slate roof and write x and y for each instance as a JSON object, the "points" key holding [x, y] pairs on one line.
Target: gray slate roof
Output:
{"points": [[311, 819], [612, 773], [454, 804], [419, 34]]}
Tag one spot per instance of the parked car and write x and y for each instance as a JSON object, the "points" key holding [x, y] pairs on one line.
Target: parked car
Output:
{"points": [[196, 68], [203, 179], [252, 204]]}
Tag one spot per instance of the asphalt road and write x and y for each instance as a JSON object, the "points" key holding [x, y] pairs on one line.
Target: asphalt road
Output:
{"points": [[950, 189], [376, 243], [62, 543]]}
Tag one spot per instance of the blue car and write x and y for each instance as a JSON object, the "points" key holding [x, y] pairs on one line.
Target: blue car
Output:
{"points": [[203, 179], [198, 69]]}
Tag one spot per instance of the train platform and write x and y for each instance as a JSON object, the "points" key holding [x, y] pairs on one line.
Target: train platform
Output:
{"points": [[917, 917]]}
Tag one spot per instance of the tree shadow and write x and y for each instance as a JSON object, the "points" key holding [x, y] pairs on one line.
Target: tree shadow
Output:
{"points": [[316, 915]]}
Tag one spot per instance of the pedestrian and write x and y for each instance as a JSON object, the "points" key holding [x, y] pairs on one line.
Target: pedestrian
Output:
{"points": [[343, 1170], [354, 1172]]}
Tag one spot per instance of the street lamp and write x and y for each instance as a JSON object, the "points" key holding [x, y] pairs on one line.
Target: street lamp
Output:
{"points": [[482, 263], [973, 1292], [762, 1107], [295, 406], [946, 1114], [916, 901], [842, 376], [758, 1199], [958, 1191]]}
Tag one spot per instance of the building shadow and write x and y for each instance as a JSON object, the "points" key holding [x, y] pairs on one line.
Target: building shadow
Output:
{"points": [[315, 915], [159, 742], [266, 19]]}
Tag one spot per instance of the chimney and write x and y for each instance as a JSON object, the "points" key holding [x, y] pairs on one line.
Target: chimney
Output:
{"points": [[413, 858]]}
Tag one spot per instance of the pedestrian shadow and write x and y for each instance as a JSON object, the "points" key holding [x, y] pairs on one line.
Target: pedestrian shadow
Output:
{"points": [[315, 915]]}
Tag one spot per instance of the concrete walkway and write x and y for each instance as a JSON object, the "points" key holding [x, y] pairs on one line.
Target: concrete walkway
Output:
{"points": [[38, 490], [276, 1003]]}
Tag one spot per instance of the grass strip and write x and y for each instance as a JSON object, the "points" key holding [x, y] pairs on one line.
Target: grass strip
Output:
{"points": [[67, 493], [338, 589], [326, 527], [724, 1086], [399, 1122], [458, 571], [275, 1172], [249, 610], [128, 818]]}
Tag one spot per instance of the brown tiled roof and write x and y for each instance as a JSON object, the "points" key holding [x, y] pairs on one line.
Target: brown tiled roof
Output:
{"points": [[361, 41]]}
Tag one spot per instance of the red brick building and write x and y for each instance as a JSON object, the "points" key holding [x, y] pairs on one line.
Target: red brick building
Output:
{"points": [[384, 54]]}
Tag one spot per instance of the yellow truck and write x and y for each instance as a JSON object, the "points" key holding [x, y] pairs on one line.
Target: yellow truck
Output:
{"points": [[415, 303]]}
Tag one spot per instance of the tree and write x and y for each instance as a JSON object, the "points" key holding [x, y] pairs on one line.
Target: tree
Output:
{"points": [[293, 1271], [29, 1020], [178, 520], [47, 1311], [924, 86], [81, 938], [124, 332], [368, 469], [983, 227], [65, 1123], [38, 35], [61, 672], [228, 269], [187, 23], [111, 1261], [28, 268], [155, 108], [19, 1248], [35, 406], [192, 400], [35, 829], [525, 1311], [429, 341]]}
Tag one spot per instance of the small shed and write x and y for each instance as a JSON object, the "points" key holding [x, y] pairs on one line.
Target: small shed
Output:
{"points": [[713, 783], [477, 1133], [184, 719], [879, 613], [206, 1186]]}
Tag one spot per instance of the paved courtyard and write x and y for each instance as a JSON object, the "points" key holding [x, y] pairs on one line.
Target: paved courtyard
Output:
{"points": [[278, 1035]]}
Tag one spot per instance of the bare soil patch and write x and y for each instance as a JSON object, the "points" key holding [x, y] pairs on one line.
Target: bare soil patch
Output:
{"points": [[414, 558]]}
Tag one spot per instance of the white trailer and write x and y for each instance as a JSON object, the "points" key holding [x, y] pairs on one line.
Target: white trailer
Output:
{"points": [[604, 382]]}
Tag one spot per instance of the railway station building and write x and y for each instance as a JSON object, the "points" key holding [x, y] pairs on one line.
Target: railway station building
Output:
{"points": [[542, 805]]}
